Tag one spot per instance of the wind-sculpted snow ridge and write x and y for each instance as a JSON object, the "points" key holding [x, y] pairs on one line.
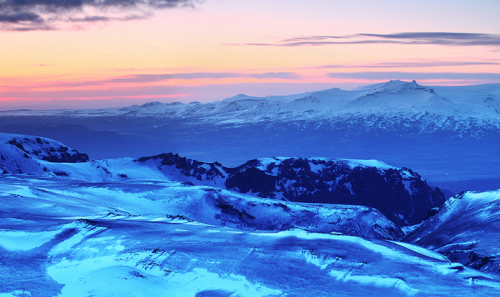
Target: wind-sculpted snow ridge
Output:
{"points": [[465, 230], [144, 238], [400, 194], [164, 201], [21, 153]]}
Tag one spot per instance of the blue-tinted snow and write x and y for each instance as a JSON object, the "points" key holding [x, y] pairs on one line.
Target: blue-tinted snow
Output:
{"points": [[146, 237], [465, 230], [124, 228]]}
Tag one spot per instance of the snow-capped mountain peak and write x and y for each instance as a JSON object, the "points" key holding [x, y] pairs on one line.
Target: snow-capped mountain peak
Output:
{"points": [[384, 105], [237, 97], [398, 87]]}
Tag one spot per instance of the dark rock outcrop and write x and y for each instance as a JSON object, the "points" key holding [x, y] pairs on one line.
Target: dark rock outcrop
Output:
{"points": [[400, 194], [52, 151]]}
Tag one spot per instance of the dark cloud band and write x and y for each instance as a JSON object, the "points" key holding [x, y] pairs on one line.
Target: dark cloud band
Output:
{"points": [[28, 15]]}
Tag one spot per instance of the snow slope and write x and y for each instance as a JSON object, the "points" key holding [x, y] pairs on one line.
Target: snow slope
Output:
{"points": [[135, 239], [23, 154], [168, 225], [465, 230], [164, 201]]}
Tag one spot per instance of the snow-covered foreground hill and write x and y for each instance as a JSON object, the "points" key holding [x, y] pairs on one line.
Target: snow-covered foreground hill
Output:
{"points": [[149, 238], [171, 226], [21, 154], [160, 200]]}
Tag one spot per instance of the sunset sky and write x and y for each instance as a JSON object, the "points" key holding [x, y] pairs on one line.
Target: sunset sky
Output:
{"points": [[108, 53]]}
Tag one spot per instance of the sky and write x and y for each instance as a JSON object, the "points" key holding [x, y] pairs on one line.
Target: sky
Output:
{"points": [[111, 53]]}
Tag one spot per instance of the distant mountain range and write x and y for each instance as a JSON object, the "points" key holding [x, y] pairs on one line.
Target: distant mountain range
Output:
{"points": [[397, 101], [448, 134]]}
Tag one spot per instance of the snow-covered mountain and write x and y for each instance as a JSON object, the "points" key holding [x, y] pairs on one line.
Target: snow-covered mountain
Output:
{"points": [[402, 123], [393, 99], [400, 194], [21, 154], [171, 226], [125, 227]]}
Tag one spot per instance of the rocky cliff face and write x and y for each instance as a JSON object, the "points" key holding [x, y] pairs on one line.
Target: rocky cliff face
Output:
{"points": [[400, 194]]}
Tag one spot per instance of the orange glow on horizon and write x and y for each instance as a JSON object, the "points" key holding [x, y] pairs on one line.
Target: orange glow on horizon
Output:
{"points": [[99, 98], [217, 37]]}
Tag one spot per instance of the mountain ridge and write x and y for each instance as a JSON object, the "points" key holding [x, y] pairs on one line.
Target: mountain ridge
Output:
{"points": [[399, 193], [393, 100]]}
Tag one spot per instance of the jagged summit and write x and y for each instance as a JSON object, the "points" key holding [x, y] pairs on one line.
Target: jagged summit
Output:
{"points": [[393, 87], [398, 87]]}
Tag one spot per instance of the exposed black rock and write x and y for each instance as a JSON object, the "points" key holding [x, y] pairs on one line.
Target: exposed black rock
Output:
{"points": [[43, 149], [474, 260], [400, 194], [188, 167]]}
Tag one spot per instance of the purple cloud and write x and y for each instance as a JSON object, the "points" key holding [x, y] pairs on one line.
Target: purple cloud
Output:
{"points": [[415, 75], [405, 64], [438, 38]]}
